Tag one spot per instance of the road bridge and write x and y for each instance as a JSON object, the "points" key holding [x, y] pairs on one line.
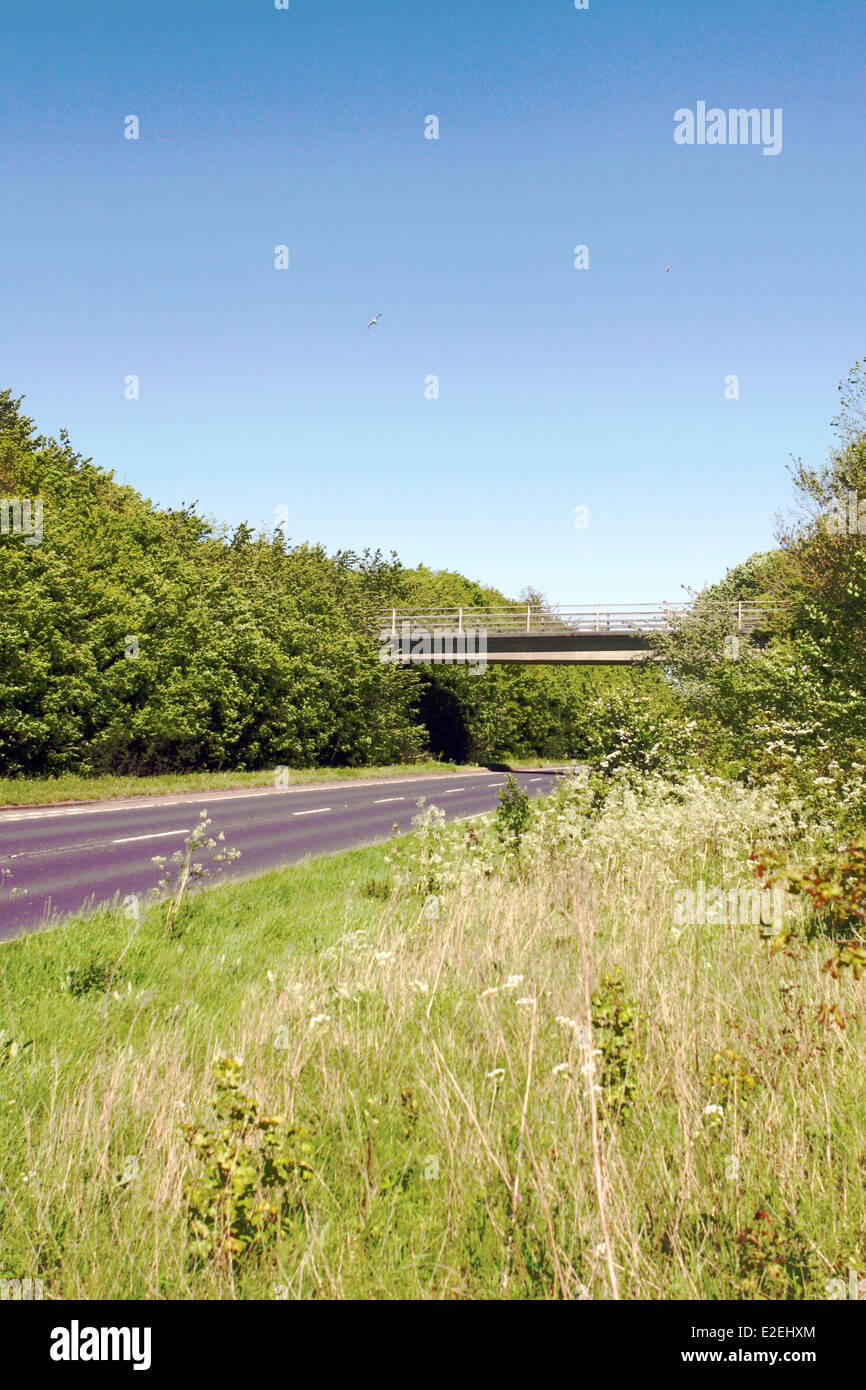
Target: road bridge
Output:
{"points": [[588, 635]]}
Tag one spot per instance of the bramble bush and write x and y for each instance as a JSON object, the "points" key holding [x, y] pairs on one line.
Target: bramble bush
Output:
{"points": [[250, 1167], [615, 1023], [834, 886]]}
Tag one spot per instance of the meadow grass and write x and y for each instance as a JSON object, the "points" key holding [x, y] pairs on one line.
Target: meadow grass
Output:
{"points": [[523, 1083]]}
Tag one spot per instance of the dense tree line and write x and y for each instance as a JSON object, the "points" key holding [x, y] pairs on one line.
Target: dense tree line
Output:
{"points": [[790, 708], [135, 639]]}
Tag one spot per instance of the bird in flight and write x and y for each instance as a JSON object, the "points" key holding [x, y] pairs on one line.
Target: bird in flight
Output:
{"points": [[667, 268], [375, 320]]}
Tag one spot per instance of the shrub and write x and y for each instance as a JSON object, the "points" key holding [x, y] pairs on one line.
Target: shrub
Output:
{"points": [[614, 1024], [242, 1196], [513, 814]]}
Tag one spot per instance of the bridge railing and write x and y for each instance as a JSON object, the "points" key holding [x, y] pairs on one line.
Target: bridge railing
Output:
{"points": [[586, 618]]}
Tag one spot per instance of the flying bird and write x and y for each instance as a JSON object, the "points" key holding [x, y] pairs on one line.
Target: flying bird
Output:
{"points": [[667, 268], [375, 320]]}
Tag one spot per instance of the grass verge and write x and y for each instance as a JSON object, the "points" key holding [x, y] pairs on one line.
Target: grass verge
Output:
{"points": [[20, 791], [534, 1086]]}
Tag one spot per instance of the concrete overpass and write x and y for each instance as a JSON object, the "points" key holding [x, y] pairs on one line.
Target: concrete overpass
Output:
{"points": [[588, 635]]}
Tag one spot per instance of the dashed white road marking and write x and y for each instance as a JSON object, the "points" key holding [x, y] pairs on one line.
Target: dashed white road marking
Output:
{"points": [[382, 799], [316, 811], [240, 796], [453, 790], [156, 835], [155, 802]]}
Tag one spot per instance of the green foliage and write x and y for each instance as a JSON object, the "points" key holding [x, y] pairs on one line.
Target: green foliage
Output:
{"points": [[789, 710], [730, 1080], [615, 1034], [635, 731], [250, 1168], [513, 813], [251, 652], [849, 956], [835, 887], [91, 977], [377, 888], [776, 1260], [512, 711]]}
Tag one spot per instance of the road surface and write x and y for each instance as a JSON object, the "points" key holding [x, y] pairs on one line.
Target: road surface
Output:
{"points": [[57, 860]]}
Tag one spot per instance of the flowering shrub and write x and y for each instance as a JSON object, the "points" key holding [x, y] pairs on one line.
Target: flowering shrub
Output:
{"points": [[638, 734], [799, 760]]}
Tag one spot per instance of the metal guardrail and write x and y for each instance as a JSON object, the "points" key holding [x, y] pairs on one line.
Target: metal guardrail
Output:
{"points": [[586, 618]]}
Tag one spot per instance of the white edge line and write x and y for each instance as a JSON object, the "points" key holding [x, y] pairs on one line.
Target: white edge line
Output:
{"points": [[156, 835]]}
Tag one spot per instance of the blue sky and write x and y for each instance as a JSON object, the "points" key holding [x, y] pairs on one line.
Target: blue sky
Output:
{"points": [[558, 387]]}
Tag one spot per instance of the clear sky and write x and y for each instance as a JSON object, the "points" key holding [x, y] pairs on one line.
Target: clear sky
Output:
{"points": [[602, 387]]}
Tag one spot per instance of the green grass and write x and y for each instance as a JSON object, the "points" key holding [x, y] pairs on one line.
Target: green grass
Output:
{"points": [[21, 791], [433, 1057]]}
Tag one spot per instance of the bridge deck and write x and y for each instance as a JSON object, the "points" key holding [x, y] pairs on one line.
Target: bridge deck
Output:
{"points": [[592, 634]]}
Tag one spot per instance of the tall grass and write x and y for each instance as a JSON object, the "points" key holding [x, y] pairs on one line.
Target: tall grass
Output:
{"points": [[459, 1056]]}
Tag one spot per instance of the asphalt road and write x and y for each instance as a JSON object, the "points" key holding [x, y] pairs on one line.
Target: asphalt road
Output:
{"points": [[56, 860]]}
